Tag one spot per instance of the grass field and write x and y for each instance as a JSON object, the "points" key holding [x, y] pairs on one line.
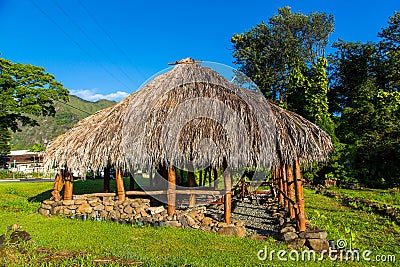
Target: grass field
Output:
{"points": [[390, 197], [64, 242]]}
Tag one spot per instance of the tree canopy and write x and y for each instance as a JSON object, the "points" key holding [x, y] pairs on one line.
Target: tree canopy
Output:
{"points": [[352, 93], [270, 51], [25, 91]]}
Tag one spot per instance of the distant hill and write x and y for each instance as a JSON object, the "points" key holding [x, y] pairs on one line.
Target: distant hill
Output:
{"points": [[51, 127]]}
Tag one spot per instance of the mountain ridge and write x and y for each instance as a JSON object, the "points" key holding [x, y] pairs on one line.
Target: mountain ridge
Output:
{"points": [[67, 115]]}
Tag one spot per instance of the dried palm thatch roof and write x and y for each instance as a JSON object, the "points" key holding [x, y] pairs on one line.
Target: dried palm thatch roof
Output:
{"points": [[190, 115], [93, 143]]}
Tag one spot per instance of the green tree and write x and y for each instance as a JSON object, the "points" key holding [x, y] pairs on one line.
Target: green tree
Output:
{"points": [[4, 146], [38, 147], [364, 93], [270, 51], [26, 90]]}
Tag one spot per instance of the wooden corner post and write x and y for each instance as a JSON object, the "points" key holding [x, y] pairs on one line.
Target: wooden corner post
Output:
{"points": [[191, 183], [290, 189], [215, 174], [228, 195], [284, 183], [171, 192], [280, 185], [69, 185], [106, 182], [120, 184], [301, 217], [58, 185]]}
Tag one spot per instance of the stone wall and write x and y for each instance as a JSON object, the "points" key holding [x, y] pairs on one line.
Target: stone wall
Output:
{"points": [[137, 211]]}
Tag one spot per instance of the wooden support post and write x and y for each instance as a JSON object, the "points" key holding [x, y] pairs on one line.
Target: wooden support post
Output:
{"points": [[209, 178], [301, 222], [69, 185], [228, 195], [284, 181], [181, 177], [106, 183], [290, 189], [215, 179], [131, 181], [280, 185], [58, 184], [191, 183], [200, 178], [171, 192], [120, 184]]}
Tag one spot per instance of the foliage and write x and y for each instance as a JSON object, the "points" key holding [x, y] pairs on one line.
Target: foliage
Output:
{"points": [[37, 147], [364, 82], [25, 91], [285, 58], [5, 147], [270, 51]]}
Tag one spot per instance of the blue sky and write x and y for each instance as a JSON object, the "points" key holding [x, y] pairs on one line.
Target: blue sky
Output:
{"points": [[107, 49]]}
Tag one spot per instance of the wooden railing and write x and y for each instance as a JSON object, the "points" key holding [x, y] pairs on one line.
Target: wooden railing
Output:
{"points": [[290, 192]]}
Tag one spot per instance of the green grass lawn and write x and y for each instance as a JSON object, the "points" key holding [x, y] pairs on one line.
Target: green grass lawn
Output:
{"points": [[64, 242], [390, 197]]}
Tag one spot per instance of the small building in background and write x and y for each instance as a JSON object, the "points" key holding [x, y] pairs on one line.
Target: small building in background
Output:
{"points": [[25, 161]]}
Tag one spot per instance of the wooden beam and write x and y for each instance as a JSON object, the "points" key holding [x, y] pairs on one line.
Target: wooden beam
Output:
{"points": [[145, 193], [301, 217], [290, 189], [69, 185], [106, 182], [96, 195], [178, 192], [228, 195], [120, 184], [191, 183], [171, 192]]}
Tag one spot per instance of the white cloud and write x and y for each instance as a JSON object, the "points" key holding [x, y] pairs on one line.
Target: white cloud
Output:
{"points": [[91, 95]]}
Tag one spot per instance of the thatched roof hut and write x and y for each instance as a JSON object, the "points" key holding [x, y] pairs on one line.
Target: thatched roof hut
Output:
{"points": [[189, 115], [191, 118]]}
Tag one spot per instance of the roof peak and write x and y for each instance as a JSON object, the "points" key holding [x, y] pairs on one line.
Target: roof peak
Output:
{"points": [[187, 60]]}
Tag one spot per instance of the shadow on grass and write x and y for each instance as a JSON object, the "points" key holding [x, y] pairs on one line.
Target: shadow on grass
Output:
{"points": [[42, 196]]}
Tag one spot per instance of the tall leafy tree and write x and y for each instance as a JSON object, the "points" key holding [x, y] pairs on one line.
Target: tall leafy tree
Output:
{"points": [[364, 83], [270, 51], [285, 58], [25, 90]]}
